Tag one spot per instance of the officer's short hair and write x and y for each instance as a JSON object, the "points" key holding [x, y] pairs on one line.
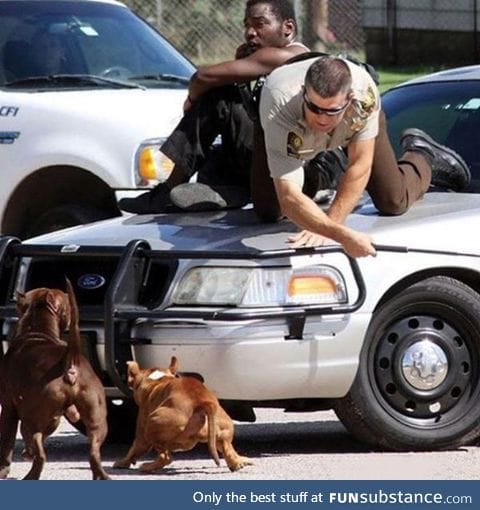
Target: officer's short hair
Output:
{"points": [[282, 9], [329, 76]]}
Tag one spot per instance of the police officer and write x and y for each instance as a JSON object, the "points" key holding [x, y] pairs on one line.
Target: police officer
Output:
{"points": [[306, 108]]}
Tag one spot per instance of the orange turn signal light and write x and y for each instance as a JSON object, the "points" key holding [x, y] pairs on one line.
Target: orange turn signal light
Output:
{"points": [[303, 284]]}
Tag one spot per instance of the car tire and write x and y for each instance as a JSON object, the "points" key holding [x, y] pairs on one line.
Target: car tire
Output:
{"points": [[418, 382], [121, 418], [62, 217]]}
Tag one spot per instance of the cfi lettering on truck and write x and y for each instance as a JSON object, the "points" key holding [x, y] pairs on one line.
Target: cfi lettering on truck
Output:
{"points": [[9, 111]]}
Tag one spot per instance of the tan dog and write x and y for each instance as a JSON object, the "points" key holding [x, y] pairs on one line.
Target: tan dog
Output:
{"points": [[176, 413], [43, 377]]}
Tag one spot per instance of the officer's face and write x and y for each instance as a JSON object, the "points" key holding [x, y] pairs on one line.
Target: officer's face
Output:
{"points": [[324, 114], [263, 29]]}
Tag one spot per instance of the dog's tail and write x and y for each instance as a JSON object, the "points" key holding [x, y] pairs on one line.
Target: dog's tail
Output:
{"points": [[210, 410], [74, 348]]}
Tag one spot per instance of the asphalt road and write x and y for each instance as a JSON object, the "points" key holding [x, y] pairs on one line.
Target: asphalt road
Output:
{"points": [[293, 446]]}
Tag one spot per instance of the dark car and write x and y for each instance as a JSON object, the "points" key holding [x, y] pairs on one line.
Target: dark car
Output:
{"points": [[447, 106]]}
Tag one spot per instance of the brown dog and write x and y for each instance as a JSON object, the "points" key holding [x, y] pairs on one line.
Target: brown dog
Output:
{"points": [[176, 413], [43, 377]]}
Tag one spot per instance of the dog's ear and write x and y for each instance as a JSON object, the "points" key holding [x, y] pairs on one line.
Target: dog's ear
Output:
{"points": [[173, 365], [133, 372], [22, 304], [57, 301], [133, 367]]}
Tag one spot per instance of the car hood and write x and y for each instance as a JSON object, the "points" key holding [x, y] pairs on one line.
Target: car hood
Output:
{"points": [[439, 222]]}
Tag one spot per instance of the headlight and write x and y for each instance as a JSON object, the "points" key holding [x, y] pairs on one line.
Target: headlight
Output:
{"points": [[151, 165], [261, 286], [212, 285]]}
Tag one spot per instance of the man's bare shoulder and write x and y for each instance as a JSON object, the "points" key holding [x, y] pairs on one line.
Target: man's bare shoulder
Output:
{"points": [[285, 52], [272, 57]]}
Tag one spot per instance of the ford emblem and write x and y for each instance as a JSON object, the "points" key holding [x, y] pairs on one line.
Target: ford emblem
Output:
{"points": [[91, 281]]}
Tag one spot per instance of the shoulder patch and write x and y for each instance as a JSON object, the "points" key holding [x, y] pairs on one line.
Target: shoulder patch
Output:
{"points": [[369, 101], [294, 144]]}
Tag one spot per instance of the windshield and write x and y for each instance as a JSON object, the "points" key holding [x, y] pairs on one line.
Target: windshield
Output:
{"points": [[448, 111], [84, 38]]}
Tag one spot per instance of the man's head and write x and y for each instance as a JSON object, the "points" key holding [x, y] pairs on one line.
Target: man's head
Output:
{"points": [[269, 23], [327, 93]]}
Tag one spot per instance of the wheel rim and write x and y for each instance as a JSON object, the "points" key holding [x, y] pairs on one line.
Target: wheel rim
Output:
{"points": [[423, 370]]}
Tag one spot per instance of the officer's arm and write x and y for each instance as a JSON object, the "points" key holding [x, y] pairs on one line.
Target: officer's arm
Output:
{"points": [[259, 63], [354, 181], [307, 215]]}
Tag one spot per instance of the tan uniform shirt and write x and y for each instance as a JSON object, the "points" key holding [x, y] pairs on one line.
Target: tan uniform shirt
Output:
{"points": [[289, 141]]}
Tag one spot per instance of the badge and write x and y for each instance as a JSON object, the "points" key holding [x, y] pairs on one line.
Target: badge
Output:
{"points": [[294, 144]]}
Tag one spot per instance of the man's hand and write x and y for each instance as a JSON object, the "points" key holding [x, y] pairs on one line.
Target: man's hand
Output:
{"points": [[307, 239], [187, 104], [358, 244], [244, 50], [303, 211], [355, 244]]}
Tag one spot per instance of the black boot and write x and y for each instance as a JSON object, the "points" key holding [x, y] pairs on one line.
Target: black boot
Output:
{"points": [[157, 200], [448, 168]]}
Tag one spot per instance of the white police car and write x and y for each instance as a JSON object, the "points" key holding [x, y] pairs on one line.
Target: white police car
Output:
{"points": [[87, 90], [392, 343]]}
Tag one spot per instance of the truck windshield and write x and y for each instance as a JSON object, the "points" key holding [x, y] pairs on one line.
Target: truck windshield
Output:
{"points": [[86, 38]]}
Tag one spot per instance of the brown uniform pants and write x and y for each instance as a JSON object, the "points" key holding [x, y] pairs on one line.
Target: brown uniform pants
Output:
{"points": [[393, 185]]}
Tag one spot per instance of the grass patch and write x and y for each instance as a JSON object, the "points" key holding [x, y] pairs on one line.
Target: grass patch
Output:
{"points": [[389, 77]]}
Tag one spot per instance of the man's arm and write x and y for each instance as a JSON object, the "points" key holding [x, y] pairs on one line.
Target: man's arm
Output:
{"points": [[261, 62], [354, 181], [306, 214]]}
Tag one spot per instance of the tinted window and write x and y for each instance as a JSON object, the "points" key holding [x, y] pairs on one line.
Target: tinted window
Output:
{"points": [[447, 111], [43, 38]]}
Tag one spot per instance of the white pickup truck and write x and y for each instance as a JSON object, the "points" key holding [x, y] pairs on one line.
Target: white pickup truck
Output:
{"points": [[88, 91]]}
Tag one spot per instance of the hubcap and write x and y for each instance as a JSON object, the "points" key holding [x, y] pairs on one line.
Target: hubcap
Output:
{"points": [[425, 365], [422, 367]]}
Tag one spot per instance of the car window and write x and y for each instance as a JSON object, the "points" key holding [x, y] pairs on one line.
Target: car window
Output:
{"points": [[48, 38], [447, 111]]}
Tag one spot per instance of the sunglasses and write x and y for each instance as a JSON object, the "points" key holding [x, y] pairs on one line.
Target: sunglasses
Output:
{"points": [[331, 112]]}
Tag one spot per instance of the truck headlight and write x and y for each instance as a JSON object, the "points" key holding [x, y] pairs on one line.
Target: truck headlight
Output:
{"points": [[260, 286], [151, 165]]}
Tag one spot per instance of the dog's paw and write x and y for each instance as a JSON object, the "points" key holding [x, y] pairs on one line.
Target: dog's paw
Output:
{"points": [[240, 463], [101, 476], [121, 464], [27, 454], [150, 467]]}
